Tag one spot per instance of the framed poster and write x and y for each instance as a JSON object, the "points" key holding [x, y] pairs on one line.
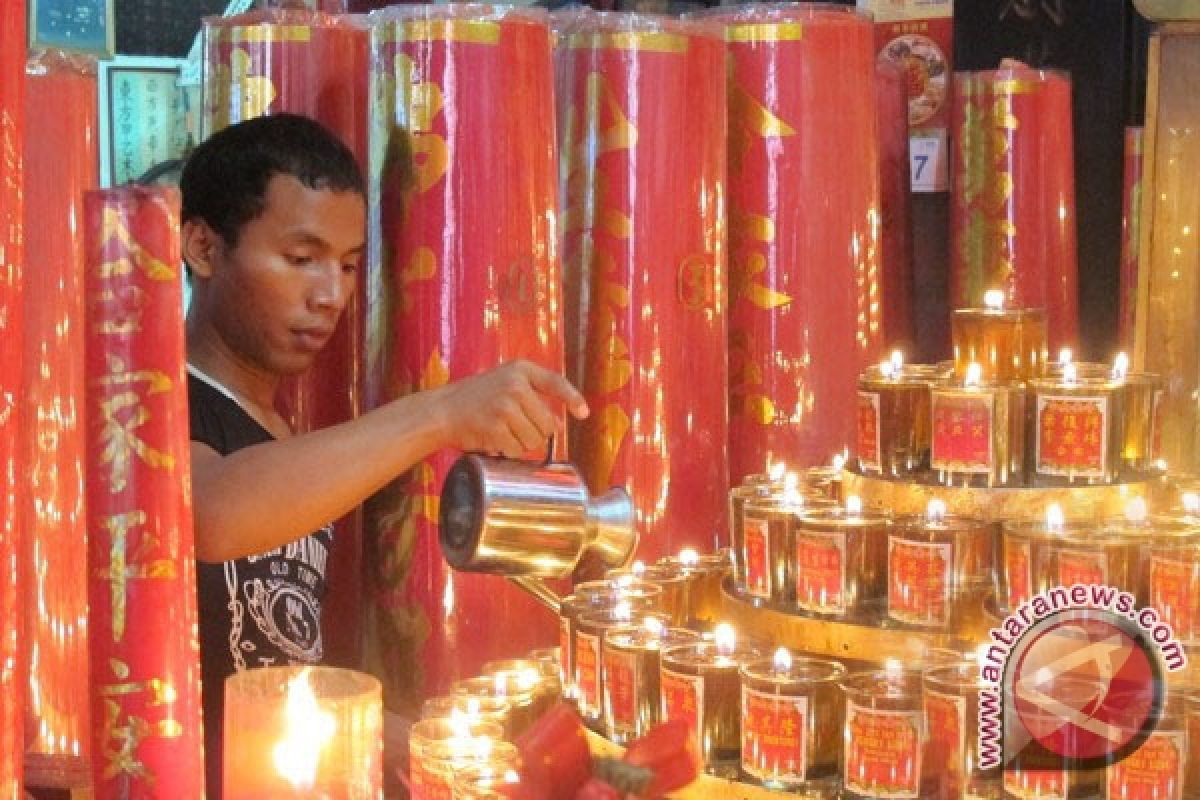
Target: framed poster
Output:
{"points": [[144, 116], [82, 26]]}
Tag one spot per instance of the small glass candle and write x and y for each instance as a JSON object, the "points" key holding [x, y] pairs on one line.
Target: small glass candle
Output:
{"points": [[596, 596], [1009, 344], [1076, 434], [939, 568], [590, 632], [440, 747], [486, 782], [1141, 429], [1189, 698], [519, 691], [1043, 775], [978, 432], [474, 708], [1156, 768], [547, 688], [708, 571], [700, 683], [752, 486], [1022, 544], [840, 561], [792, 721], [632, 660], [675, 584], [950, 767], [893, 419], [882, 742], [1171, 565], [767, 546], [1107, 556], [302, 732]]}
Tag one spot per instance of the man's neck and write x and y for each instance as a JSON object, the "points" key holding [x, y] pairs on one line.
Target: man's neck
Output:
{"points": [[212, 356]]}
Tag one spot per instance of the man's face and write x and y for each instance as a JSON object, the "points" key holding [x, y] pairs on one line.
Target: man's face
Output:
{"points": [[277, 295]]}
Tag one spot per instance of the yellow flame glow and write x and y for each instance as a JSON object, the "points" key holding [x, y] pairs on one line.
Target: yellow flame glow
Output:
{"points": [[994, 299], [776, 471], [308, 730], [936, 509], [974, 375], [1135, 510], [689, 557], [1191, 502], [1065, 356], [1055, 519], [854, 504], [1120, 366], [782, 660], [725, 638]]}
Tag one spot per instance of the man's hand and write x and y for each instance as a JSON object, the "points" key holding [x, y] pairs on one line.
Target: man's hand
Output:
{"points": [[508, 411]]}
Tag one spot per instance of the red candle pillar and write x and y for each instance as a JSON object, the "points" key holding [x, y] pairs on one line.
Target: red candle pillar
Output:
{"points": [[642, 110], [895, 186], [12, 589], [60, 150], [463, 214], [310, 63], [147, 740]]}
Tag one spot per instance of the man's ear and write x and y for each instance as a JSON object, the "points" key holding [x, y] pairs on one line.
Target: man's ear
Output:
{"points": [[199, 243]]}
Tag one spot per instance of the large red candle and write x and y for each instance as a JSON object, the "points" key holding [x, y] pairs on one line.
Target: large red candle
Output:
{"points": [[642, 113], [60, 150], [147, 741], [805, 285], [1131, 210], [315, 64], [12, 591], [1014, 195], [465, 215], [895, 185]]}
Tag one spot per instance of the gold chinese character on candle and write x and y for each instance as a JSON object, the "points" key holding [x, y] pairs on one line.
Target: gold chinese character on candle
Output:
{"points": [[792, 721], [893, 418], [767, 542], [883, 734], [631, 657], [1007, 344], [840, 561], [590, 632], [1076, 435], [978, 432]]}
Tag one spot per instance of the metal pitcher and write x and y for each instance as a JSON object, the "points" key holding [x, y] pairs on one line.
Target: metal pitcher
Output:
{"points": [[527, 520]]}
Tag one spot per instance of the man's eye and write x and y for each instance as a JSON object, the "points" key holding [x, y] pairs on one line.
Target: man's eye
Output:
{"points": [[350, 267], [299, 260]]}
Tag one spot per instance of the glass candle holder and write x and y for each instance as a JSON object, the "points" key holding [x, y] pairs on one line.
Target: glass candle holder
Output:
{"points": [[1171, 570], [882, 742], [302, 732], [595, 596], [792, 721], [939, 569], [893, 419], [486, 782], [978, 433], [631, 657], [1022, 542], [700, 683], [1107, 556], [1044, 775], [752, 487], [675, 584], [840, 563], [547, 689], [707, 571], [440, 747], [1141, 431], [824, 482], [767, 546], [519, 691], [1159, 767], [472, 707], [590, 632], [1189, 698], [1075, 437], [1009, 344], [950, 766]]}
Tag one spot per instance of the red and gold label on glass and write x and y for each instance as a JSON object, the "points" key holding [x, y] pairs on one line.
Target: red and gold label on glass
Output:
{"points": [[1072, 436], [620, 680], [564, 650], [919, 581], [1082, 566], [683, 698], [1018, 571], [1042, 784], [962, 431], [946, 721], [1156, 416], [883, 752], [868, 432], [1153, 772], [1173, 593], [774, 736], [429, 785], [821, 572], [587, 672], [756, 545]]}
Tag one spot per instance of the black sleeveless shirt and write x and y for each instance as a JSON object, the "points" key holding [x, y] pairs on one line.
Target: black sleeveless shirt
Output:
{"points": [[262, 610]]}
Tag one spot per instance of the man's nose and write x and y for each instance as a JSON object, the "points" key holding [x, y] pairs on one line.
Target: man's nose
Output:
{"points": [[329, 289]]}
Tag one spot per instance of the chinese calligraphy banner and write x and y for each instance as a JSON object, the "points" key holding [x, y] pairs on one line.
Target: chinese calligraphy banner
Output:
{"points": [[13, 658], [145, 696], [463, 178], [805, 287], [60, 150], [1013, 195], [315, 64], [642, 116]]}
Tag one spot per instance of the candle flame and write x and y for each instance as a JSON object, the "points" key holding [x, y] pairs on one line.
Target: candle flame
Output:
{"points": [[791, 482], [1120, 366], [1135, 510], [839, 459], [623, 611], [974, 375], [994, 299], [528, 679], [897, 360], [776, 471], [500, 681], [726, 638], [892, 669], [654, 626], [308, 730], [1161, 465], [639, 568], [473, 708], [782, 660], [1191, 502], [1055, 519], [854, 504], [1070, 373], [625, 581], [1065, 356], [936, 509], [793, 498], [887, 370], [512, 776], [689, 557], [981, 655]]}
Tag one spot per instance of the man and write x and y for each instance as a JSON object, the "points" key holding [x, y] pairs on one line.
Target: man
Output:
{"points": [[273, 226]]}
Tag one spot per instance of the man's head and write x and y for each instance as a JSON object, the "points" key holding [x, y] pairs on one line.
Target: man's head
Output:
{"points": [[273, 226]]}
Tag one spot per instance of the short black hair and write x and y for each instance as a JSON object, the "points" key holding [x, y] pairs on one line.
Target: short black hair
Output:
{"points": [[225, 179]]}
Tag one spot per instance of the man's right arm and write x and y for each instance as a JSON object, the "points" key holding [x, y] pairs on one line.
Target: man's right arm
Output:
{"points": [[262, 497]]}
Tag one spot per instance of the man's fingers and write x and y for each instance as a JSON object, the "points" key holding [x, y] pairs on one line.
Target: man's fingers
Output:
{"points": [[541, 417], [552, 384], [524, 430]]}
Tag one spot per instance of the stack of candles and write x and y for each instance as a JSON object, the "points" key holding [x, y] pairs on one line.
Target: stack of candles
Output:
{"points": [[893, 418], [440, 747], [591, 631], [596, 596], [631, 661]]}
